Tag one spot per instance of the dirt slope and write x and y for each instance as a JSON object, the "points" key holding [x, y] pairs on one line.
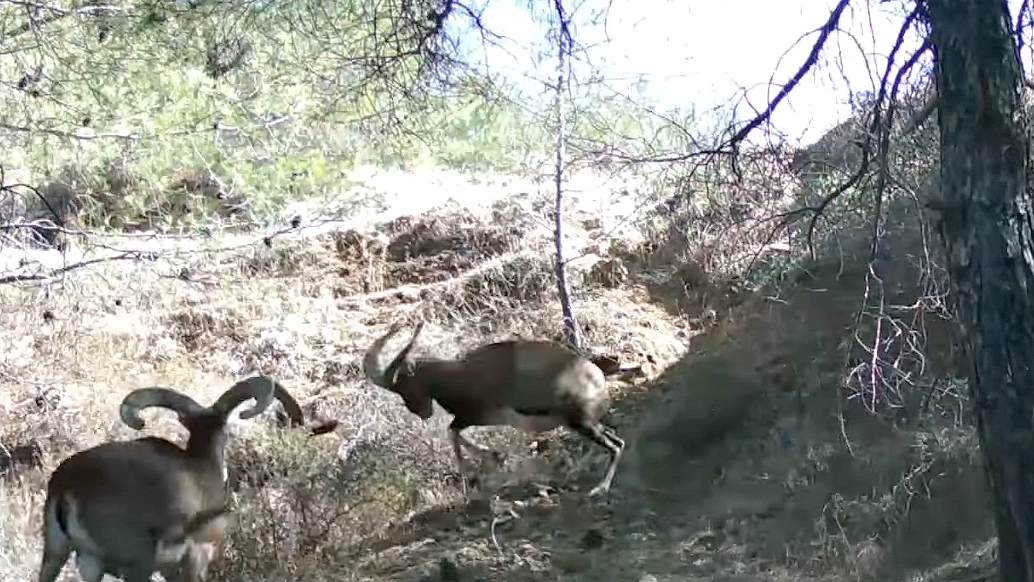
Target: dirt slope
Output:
{"points": [[742, 465], [744, 460]]}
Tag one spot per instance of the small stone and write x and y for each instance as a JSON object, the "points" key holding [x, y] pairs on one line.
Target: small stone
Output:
{"points": [[648, 578]]}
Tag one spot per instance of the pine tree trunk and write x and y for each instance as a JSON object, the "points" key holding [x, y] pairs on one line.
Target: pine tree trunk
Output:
{"points": [[987, 229]]}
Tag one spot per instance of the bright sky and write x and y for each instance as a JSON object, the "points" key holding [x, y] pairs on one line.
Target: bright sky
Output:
{"points": [[703, 53]]}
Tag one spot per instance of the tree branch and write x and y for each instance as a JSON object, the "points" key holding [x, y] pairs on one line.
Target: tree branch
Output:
{"points": [[876, 127], [824, 31]]}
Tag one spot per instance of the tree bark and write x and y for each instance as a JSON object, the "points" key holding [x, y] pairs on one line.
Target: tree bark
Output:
{"points": [[987, 230], [571, 330]]}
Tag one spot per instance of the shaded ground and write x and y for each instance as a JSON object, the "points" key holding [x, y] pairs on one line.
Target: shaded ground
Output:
{"points": [[739, 468]]}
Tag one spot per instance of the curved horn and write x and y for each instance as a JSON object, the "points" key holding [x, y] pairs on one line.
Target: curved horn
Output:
{"points": [[137, 400], [371, 367], [294, 412], [261, 388], [392, 371]]}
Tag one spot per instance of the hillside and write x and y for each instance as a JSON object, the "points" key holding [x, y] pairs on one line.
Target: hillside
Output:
{"points": [[745, 459]]}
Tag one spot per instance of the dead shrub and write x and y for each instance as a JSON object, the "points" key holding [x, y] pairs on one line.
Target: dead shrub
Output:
{"points": [[297, 497], [196, 193], [282, 260], [24, 455], [460, 233], [333, 372], [609, 273], [286, 485], [34, 436], [362, 263], [436, 248], [196, 329], [526, 278], [420, 252], [424, 270]]}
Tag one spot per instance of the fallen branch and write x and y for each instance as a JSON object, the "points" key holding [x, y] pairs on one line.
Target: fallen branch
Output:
{"points": [[54, 273]]}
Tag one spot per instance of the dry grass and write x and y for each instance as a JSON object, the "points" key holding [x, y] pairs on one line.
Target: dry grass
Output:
{"points": [[734, 452], [303, 311]]}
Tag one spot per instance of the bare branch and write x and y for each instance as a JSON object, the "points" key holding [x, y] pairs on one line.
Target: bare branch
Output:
{"points": [[875, 125], [920, 116], [730, 145], [53, 13], [84, 135], [55, 273], [831, 24]]}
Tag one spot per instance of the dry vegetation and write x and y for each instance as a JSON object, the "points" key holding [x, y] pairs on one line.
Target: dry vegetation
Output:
{"points": [[745, 462]]}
